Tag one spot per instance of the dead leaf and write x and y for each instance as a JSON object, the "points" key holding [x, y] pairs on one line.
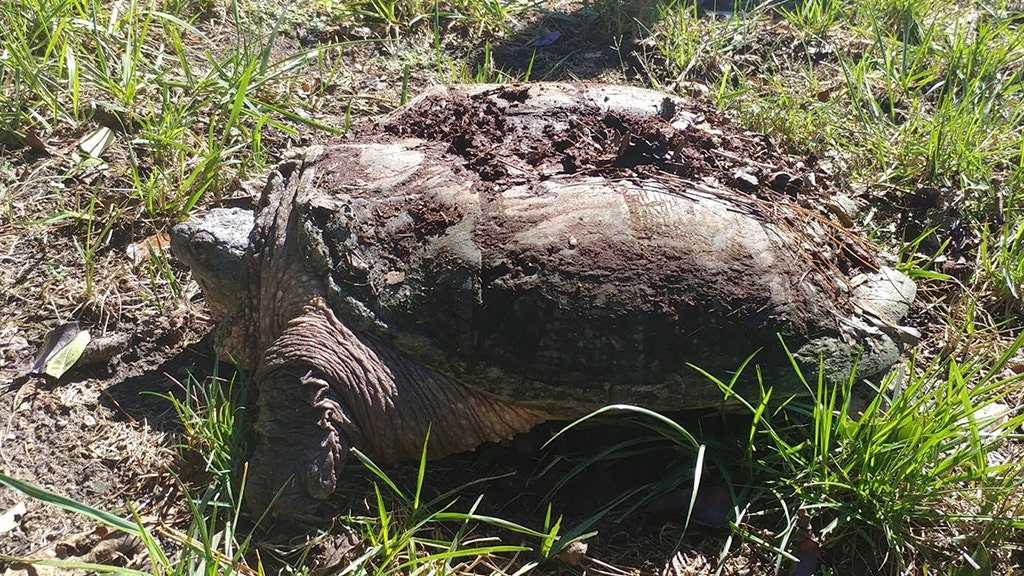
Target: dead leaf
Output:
{"points": [[116, 549], [806, 554], [26, 568], [35, 142], [573, 554], [98, 546], [96, 142], [62, 347], [145, 249], [332, 552], [545, 39], [9, 520]]}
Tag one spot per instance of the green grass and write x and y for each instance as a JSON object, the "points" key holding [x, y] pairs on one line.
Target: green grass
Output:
{"points": [[1001, 258], [884, 482], [405, 534], [922, 99], [476, 16], [408, 535], [883, 479], [188, 115], [212, 413]]}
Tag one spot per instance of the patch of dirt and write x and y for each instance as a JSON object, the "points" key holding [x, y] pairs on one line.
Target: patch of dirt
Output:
{"points": [[100, 436]]}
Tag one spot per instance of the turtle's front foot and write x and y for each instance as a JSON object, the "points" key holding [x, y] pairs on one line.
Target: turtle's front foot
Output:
{"points": [[300, 447]]}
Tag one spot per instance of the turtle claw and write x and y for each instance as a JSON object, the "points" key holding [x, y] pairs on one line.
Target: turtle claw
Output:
{"points": [[279, 492], [318, 475], [300, 453]]}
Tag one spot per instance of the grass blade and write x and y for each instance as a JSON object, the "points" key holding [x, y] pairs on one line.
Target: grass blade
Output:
{"points": [[53, 499]]}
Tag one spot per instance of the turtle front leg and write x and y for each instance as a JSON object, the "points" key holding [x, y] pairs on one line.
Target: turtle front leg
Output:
{"points": [[301, 447]]}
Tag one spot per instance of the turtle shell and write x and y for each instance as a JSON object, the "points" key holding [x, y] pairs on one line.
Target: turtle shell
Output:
{"points": [[588, 244]]}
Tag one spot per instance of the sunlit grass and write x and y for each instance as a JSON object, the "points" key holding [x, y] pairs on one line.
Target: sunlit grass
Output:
{"points": [[209, 539], [890, 480], [404, 533], [186, 114], [918, 460], [477, 17]]}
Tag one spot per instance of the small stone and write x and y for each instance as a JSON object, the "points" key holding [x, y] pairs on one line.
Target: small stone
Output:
{"points": [[795, 186], [101, 350], [574, 553], [990, 417], [841, 211], [694, 89], [846, 203], [394, 277]]}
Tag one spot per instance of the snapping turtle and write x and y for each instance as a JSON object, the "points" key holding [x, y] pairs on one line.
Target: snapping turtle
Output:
{"points": [[491, 257]]}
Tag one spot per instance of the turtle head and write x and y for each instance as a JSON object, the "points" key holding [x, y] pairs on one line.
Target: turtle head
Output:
{"points": [[214, 247]]}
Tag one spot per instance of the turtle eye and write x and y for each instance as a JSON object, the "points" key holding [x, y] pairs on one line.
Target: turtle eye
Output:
{"points": [[202, 245]]}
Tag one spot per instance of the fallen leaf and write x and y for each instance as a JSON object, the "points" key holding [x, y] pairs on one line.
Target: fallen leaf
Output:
{"points": [[9, 519], [806, 554], [331, 553], [60, 350], [145, 249], [573, 554], [98, 546], [96, 142], [35, 142]]}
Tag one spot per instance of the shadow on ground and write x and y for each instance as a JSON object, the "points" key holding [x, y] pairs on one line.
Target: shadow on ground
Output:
{"points": [[143, 396], [598, 41]]}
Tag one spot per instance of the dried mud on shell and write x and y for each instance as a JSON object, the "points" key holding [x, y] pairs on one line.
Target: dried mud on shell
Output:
{"points": [[709, 153]]}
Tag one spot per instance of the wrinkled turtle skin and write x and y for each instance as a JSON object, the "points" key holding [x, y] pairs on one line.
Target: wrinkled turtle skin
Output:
{"points": [[393, 282]]}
